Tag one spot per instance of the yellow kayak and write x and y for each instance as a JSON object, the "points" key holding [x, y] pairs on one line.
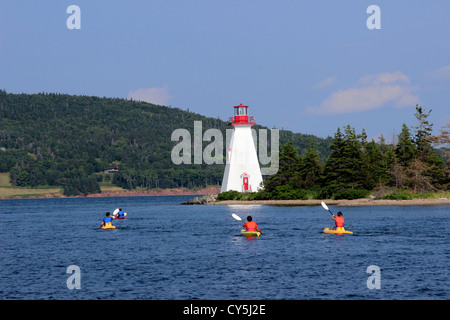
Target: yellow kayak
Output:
{"points": [[108, 225], [339, 230], [250, 233]]}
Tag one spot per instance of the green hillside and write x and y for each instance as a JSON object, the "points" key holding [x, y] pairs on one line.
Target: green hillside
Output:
{"points": [[68, 141]]}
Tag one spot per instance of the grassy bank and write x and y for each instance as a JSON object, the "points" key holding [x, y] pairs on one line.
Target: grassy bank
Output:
{"points": [[8, 191], [409, 195]]}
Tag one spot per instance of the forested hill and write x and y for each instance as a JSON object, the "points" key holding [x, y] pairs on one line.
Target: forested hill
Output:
{"points": [[64, 140]]}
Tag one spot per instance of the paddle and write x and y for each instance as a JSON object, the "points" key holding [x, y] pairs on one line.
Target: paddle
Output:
{"points": [[114, 214], [234, 215], [326, 207]]}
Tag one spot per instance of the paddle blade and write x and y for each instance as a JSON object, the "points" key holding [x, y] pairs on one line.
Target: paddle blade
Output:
{"points": [[234, 215], [324, 206]]}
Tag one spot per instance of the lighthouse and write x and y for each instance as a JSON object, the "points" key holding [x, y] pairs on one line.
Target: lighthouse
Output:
{"points": [[242, 171]]}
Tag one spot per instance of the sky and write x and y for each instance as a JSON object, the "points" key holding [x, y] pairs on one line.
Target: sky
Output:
{"points": [[305, 66]]}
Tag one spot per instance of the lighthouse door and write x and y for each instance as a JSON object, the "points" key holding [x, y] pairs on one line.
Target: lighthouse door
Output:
{"points": [[245, 183]]}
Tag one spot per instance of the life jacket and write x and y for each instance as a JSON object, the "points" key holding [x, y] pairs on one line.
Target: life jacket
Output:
{"points": [[251, 226], [339, 221], [121, 213], [107, 220]]}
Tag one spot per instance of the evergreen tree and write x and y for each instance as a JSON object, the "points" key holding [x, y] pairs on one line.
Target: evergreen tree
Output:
{"points": [[386, 162], [289, 169], [330, 175], [372, 166], [423, 132], [311, 167], [343, 168], [437, 172], [353, 161], [405, 150]]}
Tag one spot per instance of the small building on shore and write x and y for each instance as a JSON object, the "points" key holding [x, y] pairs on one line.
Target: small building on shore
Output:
{"points": [[111, 170]]}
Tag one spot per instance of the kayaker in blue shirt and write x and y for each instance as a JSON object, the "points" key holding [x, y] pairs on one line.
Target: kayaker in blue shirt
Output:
{"points": [[106, 220], [120, 215]]}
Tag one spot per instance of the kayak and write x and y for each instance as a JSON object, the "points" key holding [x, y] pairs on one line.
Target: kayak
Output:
{"points": [[250, 233], [108, 226], [339, 230], [119, 218]]}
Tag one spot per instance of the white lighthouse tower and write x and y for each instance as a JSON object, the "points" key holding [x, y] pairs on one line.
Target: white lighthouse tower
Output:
{"points": [[242, 171]]}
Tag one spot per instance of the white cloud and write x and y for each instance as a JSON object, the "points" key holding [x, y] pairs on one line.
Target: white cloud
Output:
{"points": [[441, 73], [152, 95], [328, 82], [384, 78], [378, 90]]}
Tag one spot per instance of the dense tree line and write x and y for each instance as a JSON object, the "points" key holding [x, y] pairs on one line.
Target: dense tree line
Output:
{"points": [[356, 167], [63, 140]]}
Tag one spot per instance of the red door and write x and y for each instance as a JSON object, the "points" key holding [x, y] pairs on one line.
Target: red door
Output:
{"points": [[245, 182]]}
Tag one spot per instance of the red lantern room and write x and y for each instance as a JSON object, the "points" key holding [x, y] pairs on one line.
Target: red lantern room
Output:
{"points": [[241, 116]]}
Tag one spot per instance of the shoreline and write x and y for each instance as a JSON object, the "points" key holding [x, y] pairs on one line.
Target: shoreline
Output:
{"points": [[125, 193], [150, 193], [346, 203], [216, 190]]}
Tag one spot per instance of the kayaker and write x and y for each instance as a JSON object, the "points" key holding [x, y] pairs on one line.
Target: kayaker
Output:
{"points": [[120, 213], [106, 220], [339, 220], [251, 225]]}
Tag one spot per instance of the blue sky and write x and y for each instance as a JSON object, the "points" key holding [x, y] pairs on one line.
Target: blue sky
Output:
{"points": [[305, 66]]}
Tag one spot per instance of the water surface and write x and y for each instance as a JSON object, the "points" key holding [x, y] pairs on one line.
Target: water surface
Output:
{"points": [[165, 250]]}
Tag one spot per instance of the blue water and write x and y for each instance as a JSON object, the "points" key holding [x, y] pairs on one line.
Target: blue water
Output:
{"points": [[165, 250]]}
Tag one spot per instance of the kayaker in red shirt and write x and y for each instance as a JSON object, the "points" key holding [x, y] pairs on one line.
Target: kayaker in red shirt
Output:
{"points": [[339, 220], [251, 225]]}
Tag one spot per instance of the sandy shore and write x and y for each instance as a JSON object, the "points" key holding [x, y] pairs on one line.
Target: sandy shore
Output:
{"points": [[163, 192], [356, 202], [216, 190]]}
